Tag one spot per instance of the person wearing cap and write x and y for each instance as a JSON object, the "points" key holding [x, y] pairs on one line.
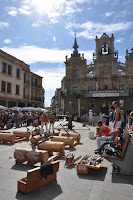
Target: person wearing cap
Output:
{"points": [[44, 121]]}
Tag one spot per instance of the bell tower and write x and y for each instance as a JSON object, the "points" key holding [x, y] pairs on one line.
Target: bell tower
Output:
{"points": [[105, 58]]}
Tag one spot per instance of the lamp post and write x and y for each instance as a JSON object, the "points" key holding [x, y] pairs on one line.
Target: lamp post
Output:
{"points": [[70, 116]]}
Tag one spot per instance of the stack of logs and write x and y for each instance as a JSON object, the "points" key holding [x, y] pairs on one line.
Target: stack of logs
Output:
{"points": [[17, 136]]}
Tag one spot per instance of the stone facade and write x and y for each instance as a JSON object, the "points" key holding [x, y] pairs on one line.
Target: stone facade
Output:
{"points": [[56, 101], [95, 86], [18, 85]]}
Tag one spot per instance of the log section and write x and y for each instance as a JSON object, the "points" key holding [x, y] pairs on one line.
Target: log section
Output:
{"points": [[7, 137], [67, 140], [31, 156], [52, 146], [76, 136]]}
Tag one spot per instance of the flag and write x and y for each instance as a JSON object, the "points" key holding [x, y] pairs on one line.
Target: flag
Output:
{"points": [[97, 87], [105, 86], [113, 84]]}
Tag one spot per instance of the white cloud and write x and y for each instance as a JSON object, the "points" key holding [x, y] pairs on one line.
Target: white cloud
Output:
{"points": [[120, 40], [52, 79], [33, 54], [7, 41], [108, 14], [3, 25], [90, 29], [12, 11], [24, 10], [54, 39]]}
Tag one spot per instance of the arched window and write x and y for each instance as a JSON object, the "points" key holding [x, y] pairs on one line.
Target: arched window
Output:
{"points": [[105, 49]]}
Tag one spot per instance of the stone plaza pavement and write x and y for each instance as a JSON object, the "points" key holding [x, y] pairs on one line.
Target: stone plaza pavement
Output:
{"points": [[97, 185]]}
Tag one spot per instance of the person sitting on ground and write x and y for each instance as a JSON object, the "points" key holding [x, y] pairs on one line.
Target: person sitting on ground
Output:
{"points": [[102, 133], [112, 140]]}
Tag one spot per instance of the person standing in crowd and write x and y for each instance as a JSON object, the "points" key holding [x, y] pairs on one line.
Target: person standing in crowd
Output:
{"points": [[1, 119], [117, 115], [5, 118], [131, 116], [9, 118], [44, 121], [52, 121], [21, 117], [111, 117], [123, 119]]}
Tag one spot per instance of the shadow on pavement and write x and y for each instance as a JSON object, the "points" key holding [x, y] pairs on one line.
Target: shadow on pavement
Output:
{"points": [[120, 178], [48, 192], [22, 167], [93, 174]]}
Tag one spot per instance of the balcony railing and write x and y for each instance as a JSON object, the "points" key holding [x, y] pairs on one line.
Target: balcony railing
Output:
{"points": [[36, 85], [26, 97], [36, 98], [27, 82]]}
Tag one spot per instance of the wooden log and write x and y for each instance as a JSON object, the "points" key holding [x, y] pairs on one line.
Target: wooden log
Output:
{"points": [[22, 134], [35, 139], [4, 131], [67, 140], [76, 136], [32, 156], [52, 146], [34, 179], [7, 137], [52, 134]]}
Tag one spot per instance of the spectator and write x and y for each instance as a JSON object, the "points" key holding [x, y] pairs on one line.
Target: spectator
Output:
{"points": [[123, 119], [117, 115], [52, 121], [44, 121], [131, 115], [102, 134]]}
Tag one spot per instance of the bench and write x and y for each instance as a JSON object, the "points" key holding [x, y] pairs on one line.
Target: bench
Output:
{"points": [[125, 162], [34, 179]]}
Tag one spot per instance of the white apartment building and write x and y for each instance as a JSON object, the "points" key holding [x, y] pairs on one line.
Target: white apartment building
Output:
{"points": [[18, 85]]}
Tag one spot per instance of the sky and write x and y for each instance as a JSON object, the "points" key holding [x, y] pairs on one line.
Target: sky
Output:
{"points": [[41, 32]]}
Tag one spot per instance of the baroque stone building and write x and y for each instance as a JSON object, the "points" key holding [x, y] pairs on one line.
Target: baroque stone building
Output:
{"points": [[18, 85], [95, 86]]}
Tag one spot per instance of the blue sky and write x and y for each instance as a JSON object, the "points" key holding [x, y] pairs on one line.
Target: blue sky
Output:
{"points": [[41, 33]]}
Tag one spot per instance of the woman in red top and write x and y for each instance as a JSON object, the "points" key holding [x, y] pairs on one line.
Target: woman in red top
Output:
{"points": [[52, 120]]}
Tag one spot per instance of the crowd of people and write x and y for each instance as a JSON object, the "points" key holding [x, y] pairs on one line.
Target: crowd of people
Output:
{"points": [[10, 119], [112, 129]]}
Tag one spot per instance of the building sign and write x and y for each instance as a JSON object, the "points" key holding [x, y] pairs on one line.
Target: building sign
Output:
{"points": [[105, 94]]}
